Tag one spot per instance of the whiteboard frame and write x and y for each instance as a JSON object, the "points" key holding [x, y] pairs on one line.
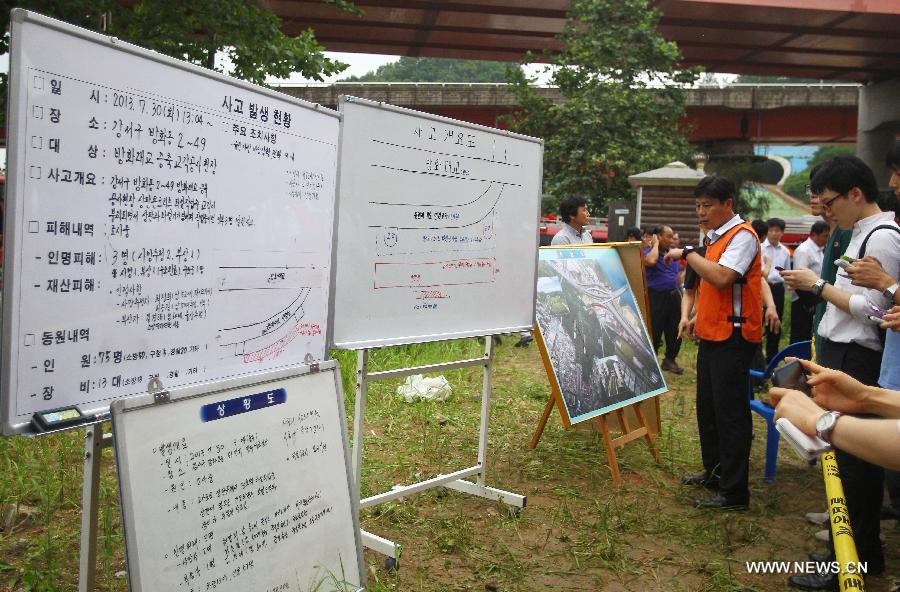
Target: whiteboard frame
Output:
{"points": [[16, 142], [357, 345], [122, 406]]}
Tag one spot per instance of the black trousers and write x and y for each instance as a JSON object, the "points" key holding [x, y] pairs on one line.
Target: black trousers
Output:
{"points": [[802, 319], [863, 482], [723, 413], [665, 313], [773, 339]]}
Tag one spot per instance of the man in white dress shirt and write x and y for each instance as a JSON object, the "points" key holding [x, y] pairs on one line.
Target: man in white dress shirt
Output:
{"points": [[807, 255], [850, 338], [779, 258]]}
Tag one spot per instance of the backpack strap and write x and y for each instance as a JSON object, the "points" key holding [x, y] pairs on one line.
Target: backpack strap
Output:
{"points": [[862, 247]]}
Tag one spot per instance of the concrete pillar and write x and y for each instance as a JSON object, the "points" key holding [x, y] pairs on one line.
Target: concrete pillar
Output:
{"points": [[878, 124]]}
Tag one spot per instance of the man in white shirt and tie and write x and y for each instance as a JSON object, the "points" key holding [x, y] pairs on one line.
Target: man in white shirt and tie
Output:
{"points": [[807, 255], [779, 258]]}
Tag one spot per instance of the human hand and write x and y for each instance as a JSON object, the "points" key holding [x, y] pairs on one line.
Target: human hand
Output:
{"points": [[833, 389], [891, 319], [673, 254], [654, 240], [773, 323], [868, 273], [795, 406], [799, 279], [686, 329]]}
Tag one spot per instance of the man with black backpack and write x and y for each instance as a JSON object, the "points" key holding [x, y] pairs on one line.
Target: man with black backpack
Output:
{"points": [[850, 337]]}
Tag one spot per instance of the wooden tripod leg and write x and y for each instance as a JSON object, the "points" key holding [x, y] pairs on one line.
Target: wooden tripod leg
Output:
{"points": [[649, 436], [548, 409], [610, 451]]}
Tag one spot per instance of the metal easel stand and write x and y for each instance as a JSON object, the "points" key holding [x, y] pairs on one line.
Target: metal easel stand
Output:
{"points": [[455, 480], [94, 443]]}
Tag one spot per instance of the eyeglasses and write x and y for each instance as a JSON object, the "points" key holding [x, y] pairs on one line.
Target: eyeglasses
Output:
{"points": [[826, 205]]}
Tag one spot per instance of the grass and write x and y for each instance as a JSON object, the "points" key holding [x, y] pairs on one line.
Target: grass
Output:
{"points": [[578, 531]]}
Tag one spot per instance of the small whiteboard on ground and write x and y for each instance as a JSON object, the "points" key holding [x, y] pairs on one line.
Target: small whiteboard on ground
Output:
{"points": [[242, 487], [160, 219], [436, 230]]}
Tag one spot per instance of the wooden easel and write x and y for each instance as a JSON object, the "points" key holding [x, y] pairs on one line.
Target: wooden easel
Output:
{"points": [[599, 422], [631, 256]]}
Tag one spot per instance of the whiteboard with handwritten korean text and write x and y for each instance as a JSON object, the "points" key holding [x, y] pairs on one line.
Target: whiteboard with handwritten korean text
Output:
{"points": [[161, 219], [242, 485], [436, 231]]}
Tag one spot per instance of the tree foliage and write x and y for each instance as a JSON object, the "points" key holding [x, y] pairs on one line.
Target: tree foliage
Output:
{"points": [[753, 79], [195, 31], [408, 69], [623, 99], [795, 184], [826, 152]]}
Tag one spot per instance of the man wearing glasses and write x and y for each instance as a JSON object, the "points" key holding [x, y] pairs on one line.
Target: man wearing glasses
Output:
{"points": [[850, 340]]}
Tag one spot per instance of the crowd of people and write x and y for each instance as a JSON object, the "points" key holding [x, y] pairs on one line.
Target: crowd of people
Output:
{"points": [[728, 295], [844, 294]]}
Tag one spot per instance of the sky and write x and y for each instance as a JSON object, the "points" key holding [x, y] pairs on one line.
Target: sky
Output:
{"points": [[360, 63], [363, 63]]}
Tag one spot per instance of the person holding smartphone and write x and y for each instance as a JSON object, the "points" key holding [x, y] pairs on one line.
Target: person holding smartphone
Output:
{"points": [[780, 259], [849, 339], [842, 396]]}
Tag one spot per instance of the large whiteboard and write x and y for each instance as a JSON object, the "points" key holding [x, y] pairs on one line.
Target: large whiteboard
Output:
{"points": [[241, 487], [436, 229], [161, 219]]}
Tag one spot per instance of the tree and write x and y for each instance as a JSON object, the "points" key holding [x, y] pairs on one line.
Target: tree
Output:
{"points": [[623, 99], [195, 31], [752, 79], [795, 184], [408, 69], [826, 152]]}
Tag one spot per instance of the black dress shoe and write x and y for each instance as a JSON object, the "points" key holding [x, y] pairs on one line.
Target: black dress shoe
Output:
{"points": [[720, 502], [701, 479], [814, 582]]}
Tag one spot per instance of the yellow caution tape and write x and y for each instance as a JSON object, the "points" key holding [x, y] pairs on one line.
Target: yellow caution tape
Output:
{"points": [[839, 517]]}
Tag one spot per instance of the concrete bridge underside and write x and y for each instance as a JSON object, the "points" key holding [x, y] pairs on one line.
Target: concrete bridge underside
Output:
{"points": [[821, 39], [755, 114]]}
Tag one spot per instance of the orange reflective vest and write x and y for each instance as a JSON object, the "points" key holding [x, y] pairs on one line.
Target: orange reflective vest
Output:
{"points": [[739, 305]]}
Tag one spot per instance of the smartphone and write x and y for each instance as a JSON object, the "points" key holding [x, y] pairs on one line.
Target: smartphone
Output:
{"points": [[874, 311], [875, 314], [808, 447], [845, 261], [791, 376]]}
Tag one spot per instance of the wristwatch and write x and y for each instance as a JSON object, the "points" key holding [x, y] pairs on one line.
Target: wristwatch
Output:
{"points": [[891, 290], [687, 251], [825, 424], [817, 287]]}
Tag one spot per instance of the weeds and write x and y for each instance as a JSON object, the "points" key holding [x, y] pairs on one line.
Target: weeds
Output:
{"points": [[577, 532]]}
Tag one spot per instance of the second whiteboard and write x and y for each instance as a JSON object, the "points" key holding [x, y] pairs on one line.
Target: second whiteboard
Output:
{"points": [[437, 228]]}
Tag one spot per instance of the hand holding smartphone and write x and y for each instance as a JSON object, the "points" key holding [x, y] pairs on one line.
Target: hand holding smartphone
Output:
{"points": [[791, 376], [844, 261], [875, 314]]}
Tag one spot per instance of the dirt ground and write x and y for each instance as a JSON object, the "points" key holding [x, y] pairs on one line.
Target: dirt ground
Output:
{"points": [[579, 532]]}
